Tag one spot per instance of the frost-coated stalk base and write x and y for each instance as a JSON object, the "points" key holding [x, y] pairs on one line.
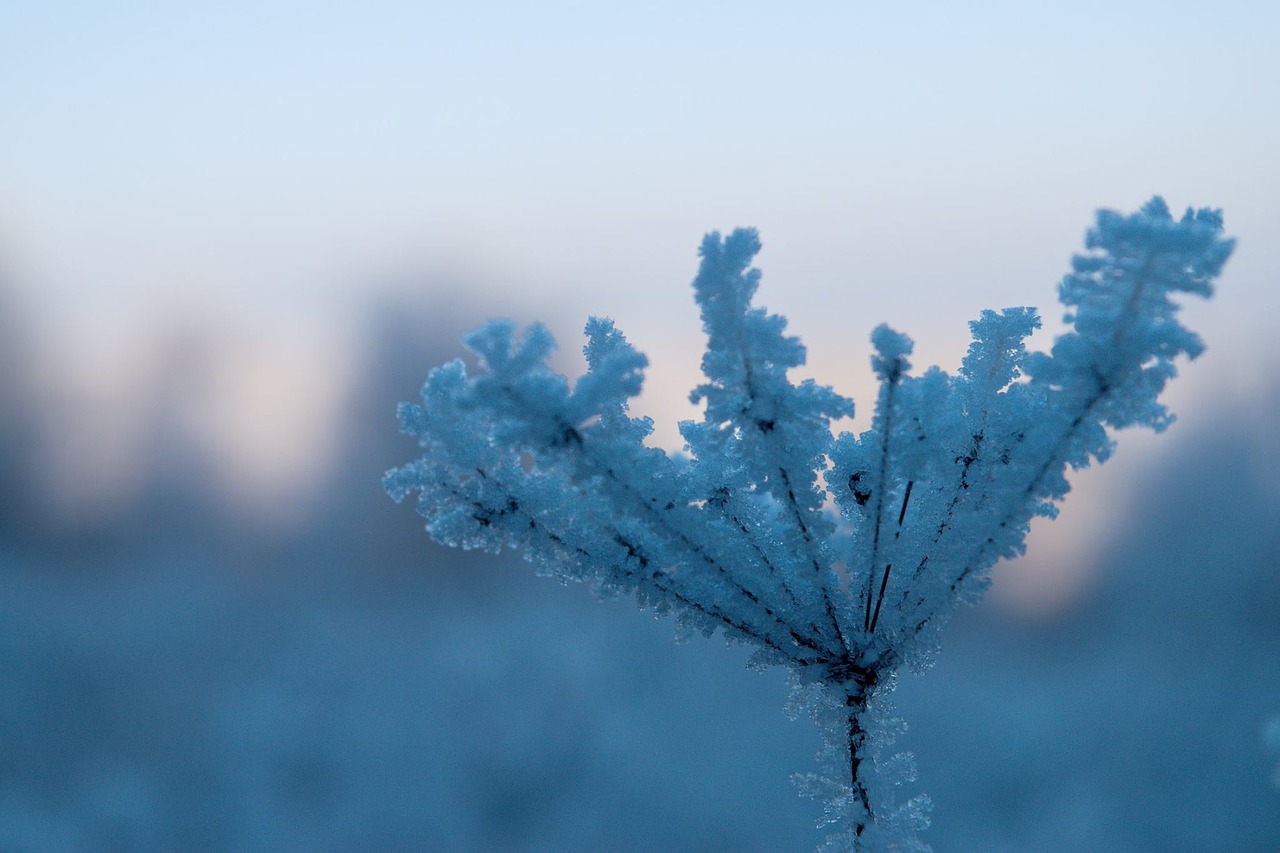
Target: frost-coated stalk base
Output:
{"points": [[856, 702], [839, 557]]}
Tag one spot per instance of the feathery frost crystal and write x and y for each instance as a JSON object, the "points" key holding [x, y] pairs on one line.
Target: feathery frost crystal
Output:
{"points": [[839, 557]]}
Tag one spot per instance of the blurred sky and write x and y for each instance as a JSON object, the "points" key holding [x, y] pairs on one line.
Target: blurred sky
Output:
{"points": [[240, 177]]}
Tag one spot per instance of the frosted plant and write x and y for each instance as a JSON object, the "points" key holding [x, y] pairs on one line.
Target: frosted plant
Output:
{"points": [[839, 557]]}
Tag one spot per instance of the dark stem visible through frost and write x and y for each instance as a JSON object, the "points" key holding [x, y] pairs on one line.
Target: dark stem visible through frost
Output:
{"points": [[884, 582], [859, 681], [892, 382], [856, 702]]}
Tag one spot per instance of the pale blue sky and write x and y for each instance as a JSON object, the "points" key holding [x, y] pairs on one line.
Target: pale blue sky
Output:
{"points": [[272, 137], [909, 162]]}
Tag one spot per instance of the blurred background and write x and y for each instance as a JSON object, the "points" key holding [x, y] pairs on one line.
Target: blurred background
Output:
{"points": [[233, 238]]}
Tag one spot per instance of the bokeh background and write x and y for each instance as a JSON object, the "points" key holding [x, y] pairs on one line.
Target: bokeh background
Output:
{"points": [[233, 237]]}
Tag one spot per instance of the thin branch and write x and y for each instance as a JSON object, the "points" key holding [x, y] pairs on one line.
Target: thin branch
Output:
{"points": [[887, 430], [812, 548], [665, 582], [906, 498], [575, 441], [875, 617], [1104, 386]]}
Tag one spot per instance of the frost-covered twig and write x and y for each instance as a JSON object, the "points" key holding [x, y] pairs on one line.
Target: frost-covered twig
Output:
{"points": [[781, 535]]}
